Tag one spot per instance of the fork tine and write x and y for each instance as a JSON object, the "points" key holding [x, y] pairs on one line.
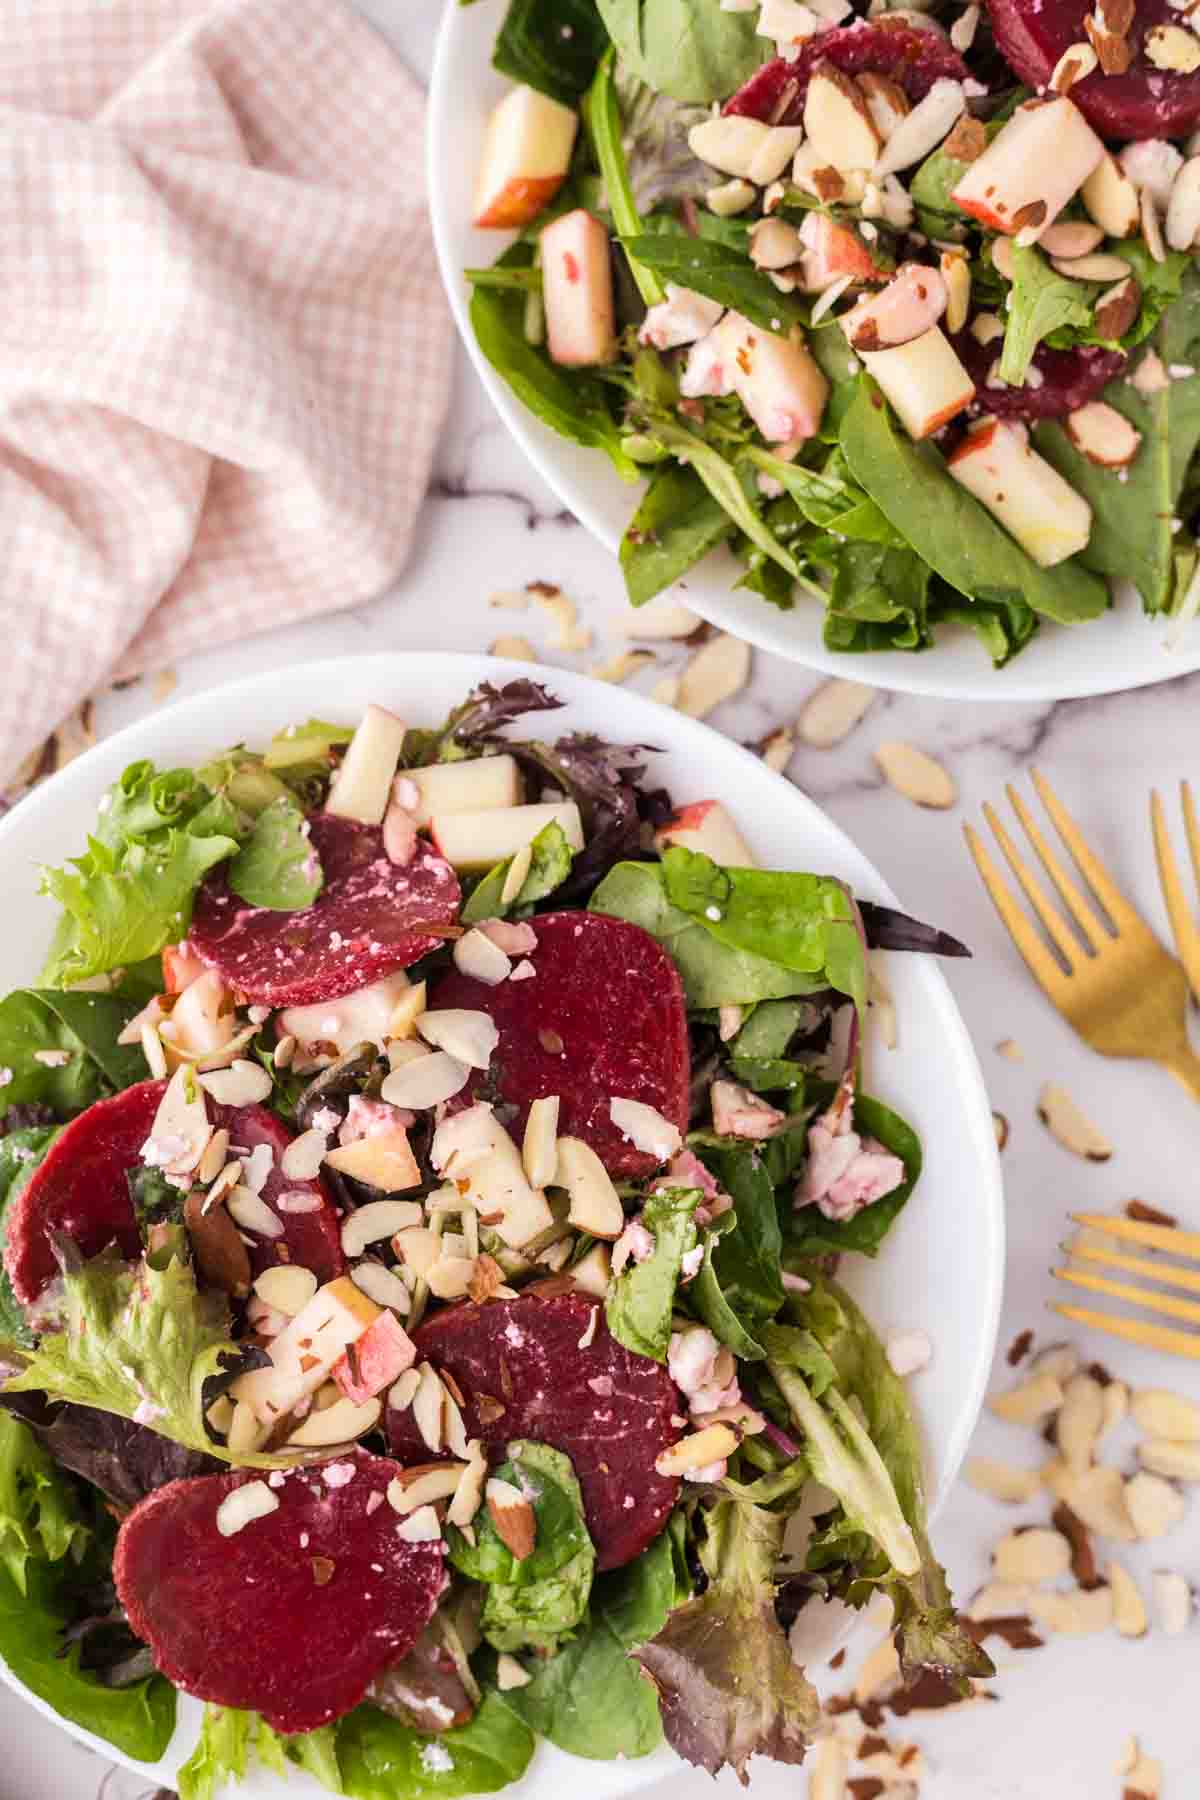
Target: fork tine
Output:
{"points": [[1093, 870], [1187, 938], [1093, 931], [1191, 826], [1189, 1279], [1041, 964], [1154, 1237], [1066, 945], [1134, 1331], [1166, 1304]]}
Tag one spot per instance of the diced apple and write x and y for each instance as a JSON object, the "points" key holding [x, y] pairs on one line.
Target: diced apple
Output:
{"points": [[577, 291], [305, 1351], [526, 154], [831, 251], [1036, 163], [924, 380], [910, 305], [706, 827], [1020, 489], [362, 786], [365, 1016], [475, 841], [384, 1161], [479, 785], [180, 968], [382, 1353], [775, 378], [473, 1150]]}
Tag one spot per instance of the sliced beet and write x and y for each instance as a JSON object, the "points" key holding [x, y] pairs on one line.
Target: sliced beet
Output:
{"points": [[372, 917], [914, 59], [1144, 102], [611, 1411], [602, 1017], [1070, 378], [81, 1192], [296, 1613]]}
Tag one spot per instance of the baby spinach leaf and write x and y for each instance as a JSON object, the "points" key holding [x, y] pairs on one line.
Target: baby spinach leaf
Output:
{"points": [[769, 1074], [642, 1297], [537, 1613], [550, 864], [828, 498], [721, 271], [721, 480], [769, 1030], [561, 1532], [746, 1259], [690, 49], [713, 973], [572, 402], [380, 1757], [948, 528], [602, 117], [1041, 301], [551, 45], [1003, 625], [812, 1234], [711, 1305], [675, 526], [879, 598], [277, 867], [60, 1049]]}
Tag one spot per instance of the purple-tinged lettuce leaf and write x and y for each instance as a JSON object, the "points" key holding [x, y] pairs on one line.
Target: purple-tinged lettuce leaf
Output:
{"points": [[888, 929]]}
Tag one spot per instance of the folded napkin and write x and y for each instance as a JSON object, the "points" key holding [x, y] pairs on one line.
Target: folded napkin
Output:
{"points": [[224, 351]]}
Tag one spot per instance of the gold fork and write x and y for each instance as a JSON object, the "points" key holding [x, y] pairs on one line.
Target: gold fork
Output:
{"points": [[1114, 983], [1187, 938], [1150, 1237]]}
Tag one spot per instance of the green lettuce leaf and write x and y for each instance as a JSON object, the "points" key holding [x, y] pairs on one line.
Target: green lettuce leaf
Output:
{"points": [[642, 1297], [551, 859], [549, 1484], [230, 1741], [746, 1257], [277, 867], [537, 1613], [551, 45], [1041, 302], [720, 271], [42, 1539], [727, 1686], [695, 53], [381, 1758], [675, 526], [60, 1049]]}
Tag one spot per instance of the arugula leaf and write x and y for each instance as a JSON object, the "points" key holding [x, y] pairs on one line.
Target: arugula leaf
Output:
{"points": [[803, 922], [561, 1532], [590, 1699], [230, 1740], [602, 118], [721, 480], [948, 528], [77, 1033], [675, 526], [21, 1152], [536, 1613], [574, 402], [550, 864], [1041, 301], [812, 1234], [689, 49], [551, 45], [277, 866], [727, 1686], [642, 1297], [714, 973], [380, 1757], [1131, 537], [723, 272], [41, 1536]]}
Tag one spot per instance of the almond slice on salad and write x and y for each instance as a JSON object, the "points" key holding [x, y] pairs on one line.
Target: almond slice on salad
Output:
{"points": [[254, 1500], [513, 1517], [377, 1220], [711, 1445], [923, 129], [1182, 225], [1066, 1122], [383, 1286], [1110, 199], [595, 1204], [424, 1485], [340, 1423], [915, 774]]}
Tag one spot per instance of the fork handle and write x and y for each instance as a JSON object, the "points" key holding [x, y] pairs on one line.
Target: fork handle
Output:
{"points": [[1184, 1065]]}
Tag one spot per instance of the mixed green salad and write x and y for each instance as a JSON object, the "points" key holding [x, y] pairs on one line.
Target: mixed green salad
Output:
{"points": [[427, 1164], [901, 307]]}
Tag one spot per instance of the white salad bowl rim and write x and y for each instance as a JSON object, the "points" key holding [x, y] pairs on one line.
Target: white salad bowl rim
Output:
{"points": [[961, 1183]]}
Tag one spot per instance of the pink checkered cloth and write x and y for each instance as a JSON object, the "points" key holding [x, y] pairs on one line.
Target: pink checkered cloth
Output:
{"points": [[224, 351]]}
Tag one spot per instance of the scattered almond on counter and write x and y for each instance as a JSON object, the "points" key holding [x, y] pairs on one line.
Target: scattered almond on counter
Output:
{"points": [[832, 711], [719, 670], [1070, 1126], [916, 775]]}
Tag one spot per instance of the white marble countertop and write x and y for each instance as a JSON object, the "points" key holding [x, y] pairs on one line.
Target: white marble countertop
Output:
{"points": [[1064, 1710]]}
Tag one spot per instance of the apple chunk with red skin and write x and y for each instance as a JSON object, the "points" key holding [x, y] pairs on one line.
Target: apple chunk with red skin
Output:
{"points": [[375, 1360], [831, 251], [526, 154], [706, 827], [1020, 488], [924, 380], [577, 291], [774, 377], [1034, 165]]}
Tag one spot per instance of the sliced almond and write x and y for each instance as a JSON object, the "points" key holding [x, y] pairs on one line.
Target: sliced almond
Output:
{"points": [[181, 1130], [1071, 1127], [1071, 238], [1080, 1612], [1030, 1401], [1155, 1507], [620, 667], [377, 1220], [1183, 208], [510, 1674], [711, 1445], [518, 870], [450, 1277], [1031, 1556], [1172, 1601], [383, 1286], [340, 1423], [1129, 1611], [539, 1147], [661, 618], [244, 1084], [1111, 199], [1000, 1600], [1000, 1123], [1058, 1360], [512, 1516], [513, 648], [417, 1249], [1151, 226], [402, 1391], [878, 1673], [719, 670], [778, 749], [595, 1203], [406, 1012], [1079, 1420], [915, 775], [774, 244], [569, 635], [468, 1495], [1179, 1459], [464, 1033], [832, 711], [1116, 1405], [1162, 1414], [253, 1214], [1097, 267], [956, 273], [1002, 1481], [1096, 1496], [423, 1485], [477, 956], [593, 1272], [837, 122], [287, 1287], [1172, 48], [887, 102], [302, 1158], [923, 129], [1076, 62], [428, 1409], [420, 1527], [425, 1080], [1143, 1774], [1117, 308]]}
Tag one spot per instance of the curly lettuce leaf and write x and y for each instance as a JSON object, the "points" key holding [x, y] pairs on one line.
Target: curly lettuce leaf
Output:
{"points": [[380, 1757], [727, 1686], [1042, 301], [277, 867], [641, 1300], [230, 1741]]}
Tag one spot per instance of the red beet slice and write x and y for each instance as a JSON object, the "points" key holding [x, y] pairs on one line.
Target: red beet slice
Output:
{"points": [[1144, 102], [602, 1017], [294, 1615], [1070, 378], [80, 1190], [608, 1409], [372, 917], [915, 59]]}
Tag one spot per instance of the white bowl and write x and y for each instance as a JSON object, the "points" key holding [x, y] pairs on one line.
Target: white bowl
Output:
{"points": [[1122, 650], [941, 1267]]}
